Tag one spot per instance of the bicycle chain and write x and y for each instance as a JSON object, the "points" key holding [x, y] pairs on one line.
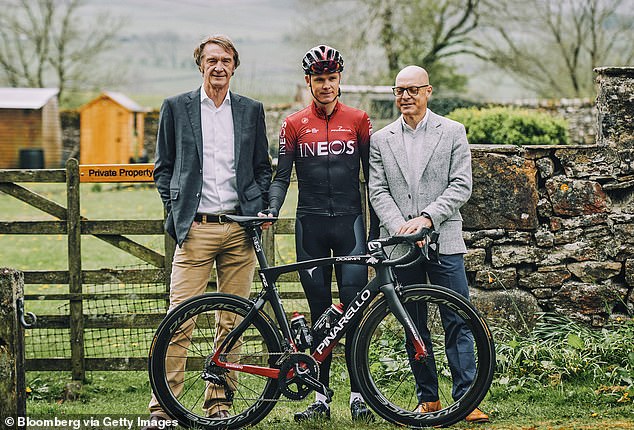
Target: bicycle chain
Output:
{"points": [[282, 359]]}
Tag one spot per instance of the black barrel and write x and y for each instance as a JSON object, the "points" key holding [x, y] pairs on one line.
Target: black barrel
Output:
{"points": [[32, 158]]}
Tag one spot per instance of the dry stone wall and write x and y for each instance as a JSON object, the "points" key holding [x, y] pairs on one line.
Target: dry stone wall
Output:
{"points": [[552, 228], [548, 229]]}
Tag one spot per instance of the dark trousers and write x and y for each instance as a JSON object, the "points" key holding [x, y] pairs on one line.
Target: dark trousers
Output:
{"points": [[319, 236], [459, 348]]}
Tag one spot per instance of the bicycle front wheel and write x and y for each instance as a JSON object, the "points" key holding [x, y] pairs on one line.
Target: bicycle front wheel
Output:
{"points": [[189, 386], [392, 382]]}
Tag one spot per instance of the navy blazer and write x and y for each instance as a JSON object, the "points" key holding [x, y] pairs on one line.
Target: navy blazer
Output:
{"points": [[178, 172]]}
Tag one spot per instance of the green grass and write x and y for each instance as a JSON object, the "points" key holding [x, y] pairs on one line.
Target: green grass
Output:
{"points": [[567, 406]]}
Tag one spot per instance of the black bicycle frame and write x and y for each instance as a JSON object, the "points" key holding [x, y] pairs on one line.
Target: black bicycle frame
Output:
{"points": [[384, 282]]}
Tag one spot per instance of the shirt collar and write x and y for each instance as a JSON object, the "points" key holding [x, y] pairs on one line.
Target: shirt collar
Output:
{"points": [[204, 96], [319, 112], [422, 124]]}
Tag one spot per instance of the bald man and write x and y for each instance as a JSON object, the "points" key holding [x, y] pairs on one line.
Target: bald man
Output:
{"points": [[420, 176]]}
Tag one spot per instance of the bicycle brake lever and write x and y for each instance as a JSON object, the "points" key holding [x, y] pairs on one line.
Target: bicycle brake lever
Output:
{"points": [[425, 250], [431, 247], [435, 249]]}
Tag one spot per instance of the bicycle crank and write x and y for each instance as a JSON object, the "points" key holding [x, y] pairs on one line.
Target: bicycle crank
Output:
{"points": [[299, 375]]}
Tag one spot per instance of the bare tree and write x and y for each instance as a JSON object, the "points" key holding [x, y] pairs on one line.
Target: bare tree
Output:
{"points": [[551, 47], [425, 32], [48, 43]]}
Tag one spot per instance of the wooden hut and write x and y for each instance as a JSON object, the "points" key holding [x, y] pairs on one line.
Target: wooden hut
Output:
{"points": [[30, 130], [111, 130]]}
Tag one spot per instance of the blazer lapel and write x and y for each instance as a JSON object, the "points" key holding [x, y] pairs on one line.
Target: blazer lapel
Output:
{"points": [[237, 112], [397, 146], [193, 111], [432, 138]]}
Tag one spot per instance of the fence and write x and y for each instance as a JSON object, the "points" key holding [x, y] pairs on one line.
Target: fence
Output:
{"points": [[103, 327]]}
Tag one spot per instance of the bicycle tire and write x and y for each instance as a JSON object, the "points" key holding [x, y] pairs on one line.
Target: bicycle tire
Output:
{"points": [[383, 371], [254, 396]]}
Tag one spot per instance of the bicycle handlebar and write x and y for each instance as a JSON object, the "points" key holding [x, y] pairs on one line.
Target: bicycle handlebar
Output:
{"points": [[428, 251], [428, 237]]}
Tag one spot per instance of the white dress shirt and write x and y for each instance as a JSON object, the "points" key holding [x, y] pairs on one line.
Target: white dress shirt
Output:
{"points": [[414, 139], [219, 194]]}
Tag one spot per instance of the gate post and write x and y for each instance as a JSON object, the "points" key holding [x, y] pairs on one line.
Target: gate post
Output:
{"points": [[12, 366], [73, 222]]}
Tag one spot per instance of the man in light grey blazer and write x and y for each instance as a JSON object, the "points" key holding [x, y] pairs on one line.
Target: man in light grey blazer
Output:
{"points": [[420, 176], [211, 160]]}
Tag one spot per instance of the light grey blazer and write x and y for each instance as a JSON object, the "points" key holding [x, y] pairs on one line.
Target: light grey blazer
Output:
{"points": [[445, 184]]}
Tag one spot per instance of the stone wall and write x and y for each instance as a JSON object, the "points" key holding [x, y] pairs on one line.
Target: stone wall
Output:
{"points": [[552, 228], [549, 230]]}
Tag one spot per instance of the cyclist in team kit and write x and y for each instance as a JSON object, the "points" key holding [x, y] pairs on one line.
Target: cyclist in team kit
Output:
{"points": [[328, 142]]}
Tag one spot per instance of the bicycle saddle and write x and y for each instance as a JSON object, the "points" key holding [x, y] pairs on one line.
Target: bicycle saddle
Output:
{"points": [[250, 221]]}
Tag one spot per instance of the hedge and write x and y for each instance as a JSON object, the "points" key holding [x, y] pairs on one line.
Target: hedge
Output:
{"points": [[502, 126]]}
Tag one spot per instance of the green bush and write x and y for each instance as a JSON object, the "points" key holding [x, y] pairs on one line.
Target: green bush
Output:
{"points": [[503, 126]]}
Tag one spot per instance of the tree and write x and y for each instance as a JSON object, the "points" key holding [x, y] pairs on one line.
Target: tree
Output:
{"points": [[425, 32], [47, 43], [552, 47]]}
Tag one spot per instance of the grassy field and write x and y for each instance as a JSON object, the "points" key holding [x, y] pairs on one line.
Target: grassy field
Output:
{"points": [[519, 398], [564, 407]]}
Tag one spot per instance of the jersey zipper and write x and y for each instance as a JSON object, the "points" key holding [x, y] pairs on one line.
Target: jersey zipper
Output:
{"points": [[330, 210]]}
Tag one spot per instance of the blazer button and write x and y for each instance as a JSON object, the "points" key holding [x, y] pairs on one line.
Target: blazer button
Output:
{"points": [[197, 194], [409, 217], [409, 196], [200, 171]]}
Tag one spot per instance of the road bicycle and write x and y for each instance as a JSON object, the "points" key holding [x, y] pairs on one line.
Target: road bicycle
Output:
{"points": [[256, 358]]}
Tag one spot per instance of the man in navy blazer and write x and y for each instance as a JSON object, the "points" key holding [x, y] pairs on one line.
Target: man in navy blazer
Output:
{"points": [[211, 160]]}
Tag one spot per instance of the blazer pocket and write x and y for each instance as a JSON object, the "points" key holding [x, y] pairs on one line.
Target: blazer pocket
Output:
{"points": [[174, 194], [252, 192]]}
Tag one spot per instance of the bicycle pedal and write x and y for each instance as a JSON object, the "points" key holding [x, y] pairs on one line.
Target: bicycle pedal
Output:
{"points": [[329, 393]]}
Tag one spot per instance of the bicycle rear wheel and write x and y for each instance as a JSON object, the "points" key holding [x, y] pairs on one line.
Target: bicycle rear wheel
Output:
{"points": [[191, 330], [384, 372]]}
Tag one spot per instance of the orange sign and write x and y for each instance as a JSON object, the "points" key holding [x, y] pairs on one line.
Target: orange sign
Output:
{"points": [[116, 172]]}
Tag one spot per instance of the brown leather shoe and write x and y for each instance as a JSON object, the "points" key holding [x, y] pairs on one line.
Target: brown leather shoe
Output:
{"points": [[477, 416], [221, 414], [425, 407]]}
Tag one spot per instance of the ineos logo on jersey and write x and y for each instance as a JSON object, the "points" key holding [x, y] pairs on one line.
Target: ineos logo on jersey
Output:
{"points": [[336, 147]]}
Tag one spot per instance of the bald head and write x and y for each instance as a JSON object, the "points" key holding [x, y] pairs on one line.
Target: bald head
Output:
{"points": [[413, 74], [412, 92]]}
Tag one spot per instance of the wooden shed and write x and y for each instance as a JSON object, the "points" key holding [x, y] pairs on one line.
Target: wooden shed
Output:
{"points": [[111, 130], [30, 130]]}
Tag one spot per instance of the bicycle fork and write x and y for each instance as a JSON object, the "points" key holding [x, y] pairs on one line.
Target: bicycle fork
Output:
{"points": [[401, 314]]}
